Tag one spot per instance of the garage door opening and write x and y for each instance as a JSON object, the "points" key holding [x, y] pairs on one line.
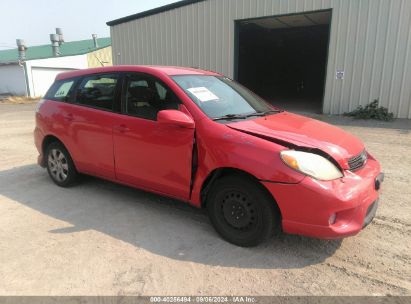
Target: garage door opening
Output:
{"points": [[284, 58]]}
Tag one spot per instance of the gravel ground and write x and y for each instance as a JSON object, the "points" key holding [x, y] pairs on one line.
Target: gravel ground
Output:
{"points": [[100, 238]]}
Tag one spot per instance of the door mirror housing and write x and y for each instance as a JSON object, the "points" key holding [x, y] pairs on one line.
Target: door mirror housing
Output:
{"points": [[175, 118]]}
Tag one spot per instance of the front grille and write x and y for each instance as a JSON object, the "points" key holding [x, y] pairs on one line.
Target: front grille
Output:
{"points": [[358, 161]]}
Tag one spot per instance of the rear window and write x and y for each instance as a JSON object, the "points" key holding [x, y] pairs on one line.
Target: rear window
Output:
{"points": [[60, 90]]}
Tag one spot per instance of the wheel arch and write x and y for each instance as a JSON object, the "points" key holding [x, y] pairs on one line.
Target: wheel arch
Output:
{"points": [[48, 139], [220, 172]]}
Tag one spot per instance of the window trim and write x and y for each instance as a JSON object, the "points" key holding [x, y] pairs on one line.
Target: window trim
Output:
{"points": [[126, 77], [117, 90]]}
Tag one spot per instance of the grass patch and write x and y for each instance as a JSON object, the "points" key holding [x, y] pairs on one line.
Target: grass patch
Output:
{"points": [[19, 100]]}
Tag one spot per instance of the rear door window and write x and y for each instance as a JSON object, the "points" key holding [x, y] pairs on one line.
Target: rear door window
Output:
{"points": [[98, 91]]}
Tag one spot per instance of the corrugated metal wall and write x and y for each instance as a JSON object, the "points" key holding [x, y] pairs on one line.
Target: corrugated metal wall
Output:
{"points": [[370, 41]]}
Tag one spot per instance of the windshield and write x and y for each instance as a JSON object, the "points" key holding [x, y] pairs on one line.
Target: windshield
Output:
{"points": [[220, 97]]}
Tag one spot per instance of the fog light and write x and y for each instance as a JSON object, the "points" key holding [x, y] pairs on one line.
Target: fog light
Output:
{"points": [[332, 219]]}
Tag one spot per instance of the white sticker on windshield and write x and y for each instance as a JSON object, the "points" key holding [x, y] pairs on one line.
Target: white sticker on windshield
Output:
{"points": [[203, 94]]}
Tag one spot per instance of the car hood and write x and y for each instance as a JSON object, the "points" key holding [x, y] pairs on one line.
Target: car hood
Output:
{"points": [[297, 131]]}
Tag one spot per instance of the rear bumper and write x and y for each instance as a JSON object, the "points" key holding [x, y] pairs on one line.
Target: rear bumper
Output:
{"points": [[40, 161], [38, 140], [308, 208]]}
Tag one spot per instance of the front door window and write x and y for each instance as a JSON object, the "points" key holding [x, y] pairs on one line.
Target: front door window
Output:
{"points": [[146, 96]]}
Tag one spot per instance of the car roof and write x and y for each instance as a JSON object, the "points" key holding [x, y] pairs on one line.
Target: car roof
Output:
{"points": [[150, 69]]}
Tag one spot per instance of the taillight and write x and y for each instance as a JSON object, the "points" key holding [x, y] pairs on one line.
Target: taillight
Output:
{"points": [[41, 101]]}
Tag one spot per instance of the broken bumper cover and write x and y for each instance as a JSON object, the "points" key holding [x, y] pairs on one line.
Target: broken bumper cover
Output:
{"points": [[329, 209]]}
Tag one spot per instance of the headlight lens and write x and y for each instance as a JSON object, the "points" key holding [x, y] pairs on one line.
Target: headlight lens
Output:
{"points": [[311, 164]]}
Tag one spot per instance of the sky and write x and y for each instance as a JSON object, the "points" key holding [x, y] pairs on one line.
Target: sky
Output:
{"points": [[34, 20]]}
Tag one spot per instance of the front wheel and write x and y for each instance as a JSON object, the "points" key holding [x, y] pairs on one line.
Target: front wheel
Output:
{"points": [[241, 211], [60, 166]]}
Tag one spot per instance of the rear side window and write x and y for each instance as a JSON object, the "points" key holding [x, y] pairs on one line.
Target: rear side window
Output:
{"points": [[97, 91], [60, 90]]}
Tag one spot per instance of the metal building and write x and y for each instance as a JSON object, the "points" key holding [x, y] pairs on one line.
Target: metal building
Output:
{"points": [[327, 55]]}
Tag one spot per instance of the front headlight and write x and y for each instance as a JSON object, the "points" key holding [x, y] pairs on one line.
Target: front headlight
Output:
{"points": [[311, 164]]}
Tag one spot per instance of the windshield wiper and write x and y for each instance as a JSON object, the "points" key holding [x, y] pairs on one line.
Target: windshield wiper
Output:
{"points": [[231, 117], [264, 113], [244, 116]]}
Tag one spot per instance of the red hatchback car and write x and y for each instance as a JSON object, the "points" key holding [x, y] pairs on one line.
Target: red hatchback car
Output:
{"points": [[202, 138]]}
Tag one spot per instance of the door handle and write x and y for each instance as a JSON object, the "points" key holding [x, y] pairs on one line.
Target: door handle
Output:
{"points": [[122, 128], [69, 117]]}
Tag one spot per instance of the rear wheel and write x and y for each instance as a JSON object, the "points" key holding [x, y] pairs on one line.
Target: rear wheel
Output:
{"points": [[241, 211], [60, 166]]}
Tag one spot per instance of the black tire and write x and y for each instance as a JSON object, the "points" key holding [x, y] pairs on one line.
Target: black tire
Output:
{"points": [[59, 165], [241, 211]]}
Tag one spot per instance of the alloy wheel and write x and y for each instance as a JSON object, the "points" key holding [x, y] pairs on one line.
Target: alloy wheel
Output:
{"points": [[58, 165]]}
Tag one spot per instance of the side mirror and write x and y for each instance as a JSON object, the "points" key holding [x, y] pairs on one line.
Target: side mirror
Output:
{"points": [[175, 118]]}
